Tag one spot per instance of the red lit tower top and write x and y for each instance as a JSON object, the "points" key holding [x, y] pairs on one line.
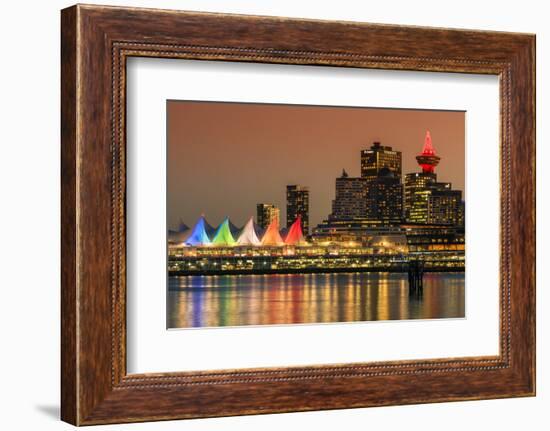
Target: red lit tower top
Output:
{"points": [[427, 159]]}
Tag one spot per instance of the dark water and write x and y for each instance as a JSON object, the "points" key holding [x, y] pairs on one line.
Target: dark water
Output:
{"points": [[235, 300]]}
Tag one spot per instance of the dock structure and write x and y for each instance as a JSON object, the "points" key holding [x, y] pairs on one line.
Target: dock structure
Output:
{"points": [[416, 275]]}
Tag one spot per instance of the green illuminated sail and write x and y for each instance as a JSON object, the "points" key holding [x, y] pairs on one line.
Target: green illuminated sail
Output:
{"points": [[223, 234]]}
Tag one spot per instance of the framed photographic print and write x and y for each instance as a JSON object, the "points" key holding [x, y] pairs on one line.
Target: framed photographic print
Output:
{"points": [[266, 215]]}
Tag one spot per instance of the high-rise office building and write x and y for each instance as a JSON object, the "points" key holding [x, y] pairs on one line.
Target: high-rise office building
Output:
{"points": [[378, 200], [350, 200], [378, 157], [297, 204], [444, 207], [266, 213], [462, 215], [415, 182], [384, 198], [441, 207]]}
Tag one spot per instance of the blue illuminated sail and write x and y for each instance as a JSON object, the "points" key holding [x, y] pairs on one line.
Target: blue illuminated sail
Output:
{"points": [[198, 235]]}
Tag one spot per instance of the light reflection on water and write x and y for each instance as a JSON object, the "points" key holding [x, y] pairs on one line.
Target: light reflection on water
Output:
{"points": [[236, 300]]}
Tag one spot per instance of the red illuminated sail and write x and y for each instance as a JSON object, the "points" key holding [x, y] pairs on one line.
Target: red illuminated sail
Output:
{"points": [[295, 234]]}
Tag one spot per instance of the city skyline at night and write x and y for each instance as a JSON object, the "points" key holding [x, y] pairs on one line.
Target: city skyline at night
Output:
{"points": [[275, 209], [378, 199], [257, 161]]}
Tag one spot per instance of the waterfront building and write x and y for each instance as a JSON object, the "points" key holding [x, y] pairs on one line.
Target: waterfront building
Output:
{"points": [[351, 231], [378, 157], [297, 206], [430, 238], [266, 213], [383, 248], [338, 245]]}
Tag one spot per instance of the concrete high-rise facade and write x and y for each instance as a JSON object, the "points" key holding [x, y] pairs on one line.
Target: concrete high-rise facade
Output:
{"points": [[379, 157], [444, 207], [266, 213], [377, 195], [350, 200], [384, 198], [297, 205], [415, 182], [378, 200], [441, 207]]}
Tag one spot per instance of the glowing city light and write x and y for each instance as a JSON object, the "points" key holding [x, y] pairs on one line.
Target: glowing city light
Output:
{"points": [[427, 159], [364, 241]]}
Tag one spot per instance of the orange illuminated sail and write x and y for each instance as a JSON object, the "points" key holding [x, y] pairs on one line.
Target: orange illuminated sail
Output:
{"points": [[272, 235]]}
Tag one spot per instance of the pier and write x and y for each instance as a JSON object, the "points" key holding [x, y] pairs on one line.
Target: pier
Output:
{"points": [[416, 277]]}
